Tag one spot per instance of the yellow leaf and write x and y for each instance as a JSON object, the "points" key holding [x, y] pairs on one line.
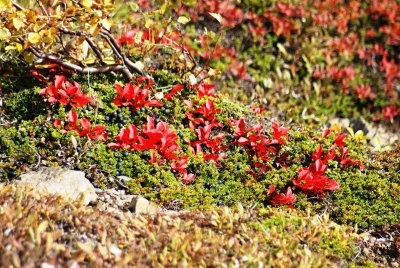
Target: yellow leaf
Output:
{"points": [[86, 3], [109, 60], [19, 47], [210, 34], [163, 8], [47, 40], [36, 27], [213, 72], [30, 16], [351, 131], [49, 242], [89, 60], [31, 234], [189, 223], [94, 30], [216, 16], [4, 3], [85, 247], [106, 23], [359, 134], [42, 227], [34, 38], [5, 34], [29, 57], [18, 23], [108, 2], [336, 128], [7, 48], [183, 20]]}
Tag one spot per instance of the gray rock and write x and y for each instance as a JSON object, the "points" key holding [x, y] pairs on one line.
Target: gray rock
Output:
{"points": [[359, 123], [112, 200], [67, 183], [124, 179], [141, 205]]}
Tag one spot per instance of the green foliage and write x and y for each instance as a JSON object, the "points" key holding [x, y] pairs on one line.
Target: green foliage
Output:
{"points": [[275, 71], [367, 199], [25, 104]]}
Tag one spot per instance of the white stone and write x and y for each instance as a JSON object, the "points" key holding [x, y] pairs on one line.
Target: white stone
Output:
{"points": [[141, 205], [67, 183]]}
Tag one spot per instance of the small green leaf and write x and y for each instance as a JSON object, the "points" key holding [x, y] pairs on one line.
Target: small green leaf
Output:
{"points": [[138, 37], [163, 8], [148, 23], [183, 20], [134, 7]]}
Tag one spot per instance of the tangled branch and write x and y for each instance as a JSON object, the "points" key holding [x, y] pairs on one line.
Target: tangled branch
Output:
{"points": [[54, 51]]}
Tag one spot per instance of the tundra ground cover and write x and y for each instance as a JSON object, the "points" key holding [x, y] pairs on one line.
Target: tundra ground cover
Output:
{"points": [[177, 128]]}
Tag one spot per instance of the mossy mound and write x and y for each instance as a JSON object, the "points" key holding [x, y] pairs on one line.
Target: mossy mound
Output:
{"points": [[368, 197]]}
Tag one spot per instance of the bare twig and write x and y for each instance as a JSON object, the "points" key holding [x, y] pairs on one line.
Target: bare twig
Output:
{"points": [[39, 159], [120, 184], [85, 70], [114, 45], [209, 58], [92, 45], [77, 3], [124, 69], [17, 6], [114, 48], [42, 8]]}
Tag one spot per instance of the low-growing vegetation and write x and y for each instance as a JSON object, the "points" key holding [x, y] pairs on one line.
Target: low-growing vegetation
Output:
{"points": [[204, 107], [60, 232]]}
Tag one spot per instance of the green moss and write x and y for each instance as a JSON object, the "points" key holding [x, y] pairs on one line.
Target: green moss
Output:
{"points": [[366, 198], [25, 104], [331, 237], [230, 109], [15, 74], [279, 78]]}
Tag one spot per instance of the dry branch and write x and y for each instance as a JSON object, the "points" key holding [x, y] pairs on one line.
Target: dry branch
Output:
{"points": [[127, 68]]}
